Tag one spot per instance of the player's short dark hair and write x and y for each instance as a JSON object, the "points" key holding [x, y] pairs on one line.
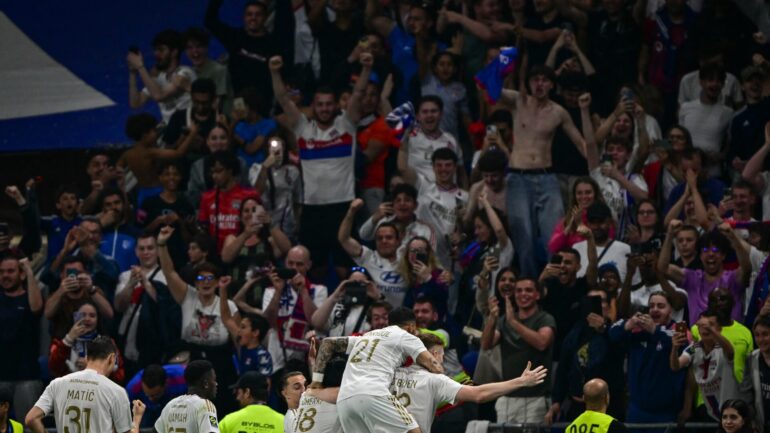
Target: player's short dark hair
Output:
{"points": [[166, 163], [208, 267], [286, 376], [154, 375], [228, 160], [430, 340], [65, 189], [334, 370], [389, 225], [196, 371], [170, 38], [401, 316], [430, 98], [100, 347], [444, 154], [543, 70], [404, 188], [197, 35], [204, 242], [204, 85], [378, 304], [259, 323], [492, 161], [139, 124]]}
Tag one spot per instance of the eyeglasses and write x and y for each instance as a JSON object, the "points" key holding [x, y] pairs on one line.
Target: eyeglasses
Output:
{"points": [[712, 249], [359, 269], [205, 278], [647, 212]]}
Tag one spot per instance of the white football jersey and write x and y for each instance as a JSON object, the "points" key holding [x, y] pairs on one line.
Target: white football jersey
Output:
{"points": [[288, 421], [421, 391], [316, 416], [374, 358], [86, 401], [188, 413]]}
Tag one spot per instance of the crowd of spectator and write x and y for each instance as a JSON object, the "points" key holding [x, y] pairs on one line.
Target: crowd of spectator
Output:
{"points": [[603, 214]]}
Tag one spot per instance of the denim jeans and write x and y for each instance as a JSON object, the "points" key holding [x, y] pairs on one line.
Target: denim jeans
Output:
{"points": [[534, 207]]}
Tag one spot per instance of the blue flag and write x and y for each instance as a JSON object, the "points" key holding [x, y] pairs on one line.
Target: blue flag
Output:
{"points": [[491, 77]]}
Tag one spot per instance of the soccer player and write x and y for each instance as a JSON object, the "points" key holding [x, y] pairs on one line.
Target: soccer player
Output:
{"points": [[364, 403], [193, 412], [421, 391], [87, 400], [317, 412]]}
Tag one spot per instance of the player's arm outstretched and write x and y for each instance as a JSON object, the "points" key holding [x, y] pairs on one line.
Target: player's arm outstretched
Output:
{"points": [[491, 391], [329, 346]]}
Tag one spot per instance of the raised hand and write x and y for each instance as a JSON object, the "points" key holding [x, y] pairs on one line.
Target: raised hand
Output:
{"points": [[275, 63], [533, 377]]}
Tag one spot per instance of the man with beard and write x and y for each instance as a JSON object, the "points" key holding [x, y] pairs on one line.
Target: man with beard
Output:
{"points": [[20, 309], [533, 194], [327, 151], [168, 83], [608, 250], [202, 112], [713, 247]]}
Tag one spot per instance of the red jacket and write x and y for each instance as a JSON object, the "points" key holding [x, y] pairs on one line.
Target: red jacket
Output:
{"points": [[60, 353]]}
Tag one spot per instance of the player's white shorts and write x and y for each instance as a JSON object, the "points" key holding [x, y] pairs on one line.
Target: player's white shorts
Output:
{"points": [[374, 414]]}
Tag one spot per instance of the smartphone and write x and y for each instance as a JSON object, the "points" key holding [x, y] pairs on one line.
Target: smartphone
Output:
{"points": [[681, 326], [363, 42], [286, 273], [727, 194], [556, 259], [77, 316], [491, 129], [627, 95], [591, 304], [495, 252], [239, 104], [72, 273], [607, 160], [569, 27], [645, 309], [662, 143], [422, 257], [4, 229]]}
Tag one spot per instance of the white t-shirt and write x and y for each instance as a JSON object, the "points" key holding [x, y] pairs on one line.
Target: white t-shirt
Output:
{"points": [[203, 325], [641, 298], [421, 148], [385, 275], [180, 101], [617, 255], [714, 375], [131, 352], [421, 391], [708, 125], [617, 197], [188, 413], [689, 89], [86, 400], [438, 207], [327, 158], [285, 310], [373, 360], [316, 416], [289, 421]]}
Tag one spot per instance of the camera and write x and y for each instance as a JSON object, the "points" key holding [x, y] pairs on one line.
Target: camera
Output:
{"points": [[556, 259], [355, 293], [286, 273], [491, 129]]}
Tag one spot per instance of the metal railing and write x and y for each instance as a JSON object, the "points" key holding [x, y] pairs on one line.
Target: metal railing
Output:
{"points": [[561, 426]]}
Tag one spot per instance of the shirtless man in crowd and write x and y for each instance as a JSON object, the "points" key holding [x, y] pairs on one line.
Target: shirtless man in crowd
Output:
{"points": [[533, 200]]}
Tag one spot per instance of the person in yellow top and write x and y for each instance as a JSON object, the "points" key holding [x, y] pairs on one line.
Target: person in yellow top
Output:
{"points": [[254, 416], [596, 395], [7, 425]]}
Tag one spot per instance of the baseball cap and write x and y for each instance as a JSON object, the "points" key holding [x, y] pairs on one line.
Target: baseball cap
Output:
{"points": [[252, 381], [598, 212], [750, 71]]}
